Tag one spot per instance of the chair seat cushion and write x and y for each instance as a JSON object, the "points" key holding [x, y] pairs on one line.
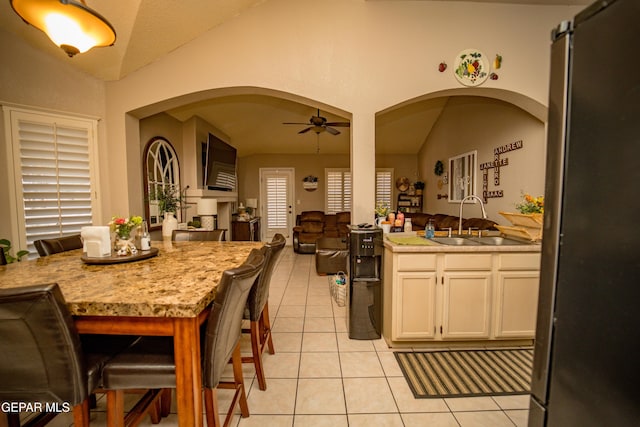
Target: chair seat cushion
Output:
{"points": [[148, 363]]}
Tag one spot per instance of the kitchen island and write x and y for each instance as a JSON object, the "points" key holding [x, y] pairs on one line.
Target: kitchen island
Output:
{"points": [[456, 295], [166, 295]]}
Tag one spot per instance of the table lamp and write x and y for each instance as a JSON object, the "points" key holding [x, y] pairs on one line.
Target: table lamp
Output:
{"points": [[253, 204], [207, 208]]}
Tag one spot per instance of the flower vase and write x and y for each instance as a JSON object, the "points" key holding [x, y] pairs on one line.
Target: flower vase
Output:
{"points": [[169, 224]]}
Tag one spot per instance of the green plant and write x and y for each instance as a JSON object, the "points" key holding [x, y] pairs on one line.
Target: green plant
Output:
{"points": [[382, 209], [531, 204], [168, 198], [418, 185], [6, 248]]}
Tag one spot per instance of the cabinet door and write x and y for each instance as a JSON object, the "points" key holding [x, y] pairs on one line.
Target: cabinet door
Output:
{"points": [[516, 304], [466, 305], [414, 311]]}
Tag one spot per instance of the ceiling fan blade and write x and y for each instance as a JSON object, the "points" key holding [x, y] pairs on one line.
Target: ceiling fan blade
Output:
{"points": [[339, 124], [306, 130], [332, 131], [294, 123]]}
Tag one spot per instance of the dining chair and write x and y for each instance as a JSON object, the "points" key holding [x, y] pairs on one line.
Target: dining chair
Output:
{"points": [[198, 235], [43, 358], [149, 363], [56, 245], [257, 311]]}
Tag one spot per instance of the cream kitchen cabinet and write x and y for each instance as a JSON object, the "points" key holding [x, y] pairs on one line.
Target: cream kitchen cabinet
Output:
{"points": [[416, 306], [414, 297], [516, 296], [458, 297], [466, 299]]}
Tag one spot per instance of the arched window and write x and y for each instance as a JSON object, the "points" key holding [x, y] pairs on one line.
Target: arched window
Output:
{"points": [[161, 170]]}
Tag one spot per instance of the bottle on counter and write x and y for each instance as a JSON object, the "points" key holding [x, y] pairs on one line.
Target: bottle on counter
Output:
{"points": [[430, 230], [400, 221], [407, 225], [145, 237], [392, 220]]}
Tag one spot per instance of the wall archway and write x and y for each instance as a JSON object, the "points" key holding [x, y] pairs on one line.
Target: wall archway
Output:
{"points": [[450, 122]]}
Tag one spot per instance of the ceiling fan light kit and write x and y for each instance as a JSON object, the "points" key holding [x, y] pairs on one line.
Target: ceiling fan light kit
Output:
{"points": [[70, 24], [319, 124]]}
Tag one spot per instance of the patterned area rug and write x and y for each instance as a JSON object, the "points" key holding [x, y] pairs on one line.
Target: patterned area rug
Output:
{"points": [[467, 372]]}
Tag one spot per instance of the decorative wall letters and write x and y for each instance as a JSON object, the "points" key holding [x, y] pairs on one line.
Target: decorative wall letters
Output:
{"points": [[496, 165]]}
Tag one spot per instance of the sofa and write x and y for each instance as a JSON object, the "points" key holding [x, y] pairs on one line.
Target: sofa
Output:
{"points": [[443, 221], [313, 225]]}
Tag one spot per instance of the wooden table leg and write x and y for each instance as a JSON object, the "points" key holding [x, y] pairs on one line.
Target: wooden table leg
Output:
{"points": [[188, 374]]}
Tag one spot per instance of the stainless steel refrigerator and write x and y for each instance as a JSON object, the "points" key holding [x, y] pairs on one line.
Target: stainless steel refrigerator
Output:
{"points": [[587, 348]]}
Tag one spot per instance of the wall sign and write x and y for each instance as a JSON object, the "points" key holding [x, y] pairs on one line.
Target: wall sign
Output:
{"points": [[497, 163]]}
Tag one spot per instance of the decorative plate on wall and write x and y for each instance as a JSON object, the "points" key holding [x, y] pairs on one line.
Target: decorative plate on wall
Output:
{"points": [[471, 67], [402, 183]]}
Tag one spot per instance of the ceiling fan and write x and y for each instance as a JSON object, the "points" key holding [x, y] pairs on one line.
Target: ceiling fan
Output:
{"points": [[319, 124]]}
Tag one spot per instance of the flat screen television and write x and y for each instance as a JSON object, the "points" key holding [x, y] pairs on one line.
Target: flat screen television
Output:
{"points": [[219, 161]]}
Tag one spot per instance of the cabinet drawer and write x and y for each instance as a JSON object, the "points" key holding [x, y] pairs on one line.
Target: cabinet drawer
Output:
{"points": [[519, 262], [467, 262], [416, 262]]}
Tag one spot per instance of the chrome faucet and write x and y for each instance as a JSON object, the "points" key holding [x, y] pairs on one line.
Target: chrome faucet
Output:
{"points": [[484, 213]]}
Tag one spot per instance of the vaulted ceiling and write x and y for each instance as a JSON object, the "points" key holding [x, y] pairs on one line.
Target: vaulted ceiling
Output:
{"points": [[149, 29]]}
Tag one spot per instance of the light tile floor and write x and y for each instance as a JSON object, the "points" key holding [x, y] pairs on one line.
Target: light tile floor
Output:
{"points": [[320, 377]]}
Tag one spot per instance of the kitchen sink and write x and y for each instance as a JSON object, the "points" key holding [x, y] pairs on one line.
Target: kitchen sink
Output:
{"points": [[455, 241], [498, 241]]}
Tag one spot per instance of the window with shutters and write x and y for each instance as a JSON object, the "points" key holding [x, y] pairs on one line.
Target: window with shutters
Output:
{"points": [[338, 197], [384, 178], [52, 161], [277, 206]]}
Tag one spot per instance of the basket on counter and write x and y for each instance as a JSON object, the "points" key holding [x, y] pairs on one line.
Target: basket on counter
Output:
{"points": [[525, 226]]}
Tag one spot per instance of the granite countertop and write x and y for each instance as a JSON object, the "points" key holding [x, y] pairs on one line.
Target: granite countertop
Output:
{"points": [[410, 243], [179, 282]]}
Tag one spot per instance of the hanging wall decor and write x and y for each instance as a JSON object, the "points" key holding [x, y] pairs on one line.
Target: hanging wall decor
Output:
{"points": [[471, 67], [310, 183], [497, 163]]}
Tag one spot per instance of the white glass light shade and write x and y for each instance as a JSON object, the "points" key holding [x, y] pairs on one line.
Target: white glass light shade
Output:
{"points": [[252, 203], [207, 207], [70, 24]]}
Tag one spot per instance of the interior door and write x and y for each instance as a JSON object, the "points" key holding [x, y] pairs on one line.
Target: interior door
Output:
{"points": [[276, 191]]}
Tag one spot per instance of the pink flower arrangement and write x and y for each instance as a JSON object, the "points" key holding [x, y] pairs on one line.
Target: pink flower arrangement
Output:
{"points": [[123, 226]]}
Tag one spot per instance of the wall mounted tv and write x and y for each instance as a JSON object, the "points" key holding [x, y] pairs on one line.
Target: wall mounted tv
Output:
{"points": [[219, 162]]}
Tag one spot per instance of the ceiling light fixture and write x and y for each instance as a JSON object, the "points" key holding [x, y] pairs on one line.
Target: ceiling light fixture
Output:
{"points": [[70, 24]]}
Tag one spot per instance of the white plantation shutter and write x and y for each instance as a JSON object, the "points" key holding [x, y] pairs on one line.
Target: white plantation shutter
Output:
{"points": [[52, 168], [384, 178], [277, 208], [338, 196]]}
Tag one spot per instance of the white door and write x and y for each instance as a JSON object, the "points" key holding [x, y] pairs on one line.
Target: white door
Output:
{"points": [[276, 192]]}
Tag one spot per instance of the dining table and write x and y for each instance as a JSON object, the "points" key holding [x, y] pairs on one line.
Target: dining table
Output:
{"points": [[166, 294]]}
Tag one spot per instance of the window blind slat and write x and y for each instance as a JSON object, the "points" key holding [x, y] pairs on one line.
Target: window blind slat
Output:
{"points": [[55, 173], [277, 210]]}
